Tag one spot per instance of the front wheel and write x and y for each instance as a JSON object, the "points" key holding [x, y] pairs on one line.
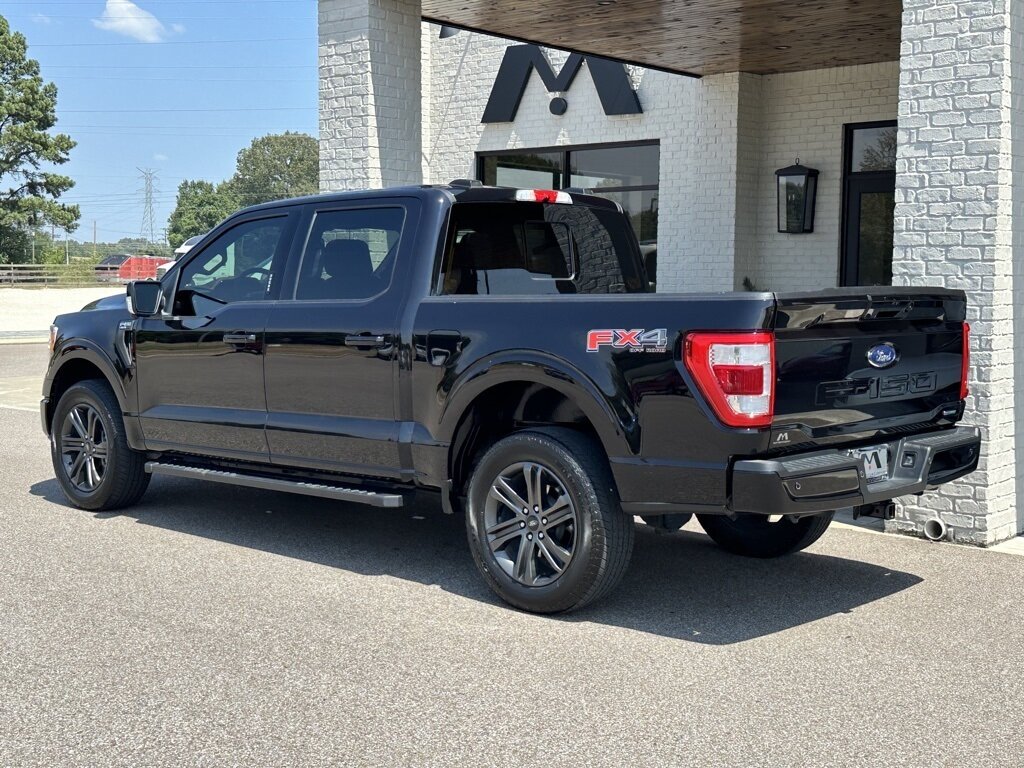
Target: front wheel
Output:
{"points": [[544, 521], [764, 536], [92, 461]]}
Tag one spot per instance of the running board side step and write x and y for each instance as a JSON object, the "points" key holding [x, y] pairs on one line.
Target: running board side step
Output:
{"points": [[324, 491]]}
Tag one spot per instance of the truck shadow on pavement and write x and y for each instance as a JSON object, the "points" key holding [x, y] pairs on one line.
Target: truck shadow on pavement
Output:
{"points": [[679, 585]]}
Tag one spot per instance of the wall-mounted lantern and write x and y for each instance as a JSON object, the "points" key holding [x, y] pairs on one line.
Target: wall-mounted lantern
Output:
{"points": [[798, 186]]}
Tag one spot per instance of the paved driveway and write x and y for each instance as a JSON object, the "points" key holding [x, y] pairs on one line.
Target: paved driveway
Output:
{"points": [[219, 626]]}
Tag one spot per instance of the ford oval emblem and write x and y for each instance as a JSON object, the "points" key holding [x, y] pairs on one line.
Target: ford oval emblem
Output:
{"points": [[883, 355]]}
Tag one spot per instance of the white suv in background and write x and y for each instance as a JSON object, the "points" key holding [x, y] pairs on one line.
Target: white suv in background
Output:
{"points": [[180, 251]]}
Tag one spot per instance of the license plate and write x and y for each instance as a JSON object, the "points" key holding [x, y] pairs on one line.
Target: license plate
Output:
{"points": [[876, 462]]}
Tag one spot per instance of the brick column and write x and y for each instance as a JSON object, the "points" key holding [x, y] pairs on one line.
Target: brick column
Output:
{"points": [[369, 93], [958, 217], [703, 223]]}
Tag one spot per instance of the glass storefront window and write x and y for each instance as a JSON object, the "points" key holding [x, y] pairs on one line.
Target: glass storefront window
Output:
{"points": [[635, 166], [534, 170]]}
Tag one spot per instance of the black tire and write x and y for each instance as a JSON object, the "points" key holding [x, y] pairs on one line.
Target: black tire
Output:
{"points": [[667, 522], [123, 478], [600, 533], [758, 536]]}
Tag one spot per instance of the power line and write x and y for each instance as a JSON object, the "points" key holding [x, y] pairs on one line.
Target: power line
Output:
{"points": [[146, 110], [78, 3], [132, 78], [179, 42], [176, 67]]}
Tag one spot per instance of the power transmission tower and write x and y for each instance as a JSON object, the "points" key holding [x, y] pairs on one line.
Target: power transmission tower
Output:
{"points": [[148, 190]]}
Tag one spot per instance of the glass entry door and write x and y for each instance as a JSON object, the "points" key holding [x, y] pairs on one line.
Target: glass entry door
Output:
{"points": [[869, 201]]}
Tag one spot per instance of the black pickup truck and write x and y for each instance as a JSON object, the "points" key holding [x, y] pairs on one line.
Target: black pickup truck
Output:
{"points": [[503, 349]]}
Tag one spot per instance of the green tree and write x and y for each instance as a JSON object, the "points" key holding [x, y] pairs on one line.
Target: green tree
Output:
{"points": [[28, 110], [271, 168], [200, 207], [275, 167]]}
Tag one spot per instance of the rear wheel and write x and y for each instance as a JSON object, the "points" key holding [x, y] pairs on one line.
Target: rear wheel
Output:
{"points": [[764, 536], [544, 521], [91, 459]]}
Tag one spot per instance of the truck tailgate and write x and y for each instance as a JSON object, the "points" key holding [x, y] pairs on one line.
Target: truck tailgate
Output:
{"points": [[859, 361]]}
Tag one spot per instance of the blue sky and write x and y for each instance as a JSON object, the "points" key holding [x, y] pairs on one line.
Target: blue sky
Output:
{"points": [[178, 86]]}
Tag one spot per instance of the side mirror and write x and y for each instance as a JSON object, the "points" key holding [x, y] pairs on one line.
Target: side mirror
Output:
{"points": [[144, 297]]}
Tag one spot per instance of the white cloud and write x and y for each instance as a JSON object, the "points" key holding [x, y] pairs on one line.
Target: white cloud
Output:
{"points": [[160, 157], [123, 17], [41, 18]]}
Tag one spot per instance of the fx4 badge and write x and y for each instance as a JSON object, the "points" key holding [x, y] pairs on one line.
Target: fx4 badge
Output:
{"points": [[636, 340]]}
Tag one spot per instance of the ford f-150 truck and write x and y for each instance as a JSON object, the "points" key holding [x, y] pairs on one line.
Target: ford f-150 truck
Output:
{"points": [[502, 349]]}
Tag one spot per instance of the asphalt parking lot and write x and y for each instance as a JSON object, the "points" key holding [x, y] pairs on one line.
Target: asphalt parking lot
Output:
{"points": [[213, 625]]}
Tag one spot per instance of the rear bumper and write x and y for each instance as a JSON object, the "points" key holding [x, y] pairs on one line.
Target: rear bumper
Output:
{"points": [[808, 483]]}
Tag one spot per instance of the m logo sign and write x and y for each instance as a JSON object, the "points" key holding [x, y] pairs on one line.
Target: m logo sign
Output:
{"points": [[610, 78]]}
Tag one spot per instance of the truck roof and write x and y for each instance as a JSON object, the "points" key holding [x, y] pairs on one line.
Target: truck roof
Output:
{"points": [[461, 190]]}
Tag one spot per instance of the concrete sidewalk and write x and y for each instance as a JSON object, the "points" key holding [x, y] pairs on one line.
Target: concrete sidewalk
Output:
{"points": [[26, 313]]}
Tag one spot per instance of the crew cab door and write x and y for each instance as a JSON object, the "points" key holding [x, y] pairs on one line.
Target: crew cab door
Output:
{"points": [[332, 345], [199, 366]]}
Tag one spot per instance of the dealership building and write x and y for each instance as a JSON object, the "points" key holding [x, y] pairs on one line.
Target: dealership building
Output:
{"points": [[904, 121]]}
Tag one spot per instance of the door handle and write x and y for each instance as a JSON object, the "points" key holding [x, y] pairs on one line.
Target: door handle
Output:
{"points": [[364, 341], [239, 338]]}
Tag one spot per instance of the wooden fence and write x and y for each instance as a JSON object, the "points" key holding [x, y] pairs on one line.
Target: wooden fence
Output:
{"points": [[54, 275]]}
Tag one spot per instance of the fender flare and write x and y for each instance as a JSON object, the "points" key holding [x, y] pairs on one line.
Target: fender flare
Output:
{"points": [[82, 349], [614, 419]]}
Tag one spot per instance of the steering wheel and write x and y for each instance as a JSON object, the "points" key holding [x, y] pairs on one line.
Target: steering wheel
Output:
{"points": [[255, 271]]}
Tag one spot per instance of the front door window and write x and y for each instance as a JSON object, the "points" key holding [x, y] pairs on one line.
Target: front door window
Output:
{"points": [[870, 200]]}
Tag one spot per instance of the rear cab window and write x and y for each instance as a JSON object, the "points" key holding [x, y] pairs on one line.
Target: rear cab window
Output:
{"points": [[537, 249]]}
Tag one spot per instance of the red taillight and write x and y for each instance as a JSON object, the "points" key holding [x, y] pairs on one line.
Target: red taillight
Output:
{"points": [[543, 196], [736, 374], [739, 379], [965, 361]]}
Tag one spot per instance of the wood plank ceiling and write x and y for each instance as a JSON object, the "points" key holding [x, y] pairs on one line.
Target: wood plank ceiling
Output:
{"points": [[700, 37]]}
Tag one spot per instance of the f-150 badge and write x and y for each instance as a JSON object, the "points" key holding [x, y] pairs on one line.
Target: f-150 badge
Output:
{"points": [[636, 340]]}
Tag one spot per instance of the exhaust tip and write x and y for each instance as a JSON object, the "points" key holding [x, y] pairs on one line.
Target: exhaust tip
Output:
{"points": [[935, 529]]}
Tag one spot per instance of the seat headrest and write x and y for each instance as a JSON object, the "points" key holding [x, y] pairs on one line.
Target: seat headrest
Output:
{"points": [[347, 259]]}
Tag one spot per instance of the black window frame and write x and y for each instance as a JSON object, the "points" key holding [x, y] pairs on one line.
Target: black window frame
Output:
{"points": [[845, 267]]}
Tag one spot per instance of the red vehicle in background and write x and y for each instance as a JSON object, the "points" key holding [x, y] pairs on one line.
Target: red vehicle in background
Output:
{"points": [[140, 267]]}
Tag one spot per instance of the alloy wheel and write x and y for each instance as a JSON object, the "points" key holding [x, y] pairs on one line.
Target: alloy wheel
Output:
{"points": [[83, 447], [530, 523]]}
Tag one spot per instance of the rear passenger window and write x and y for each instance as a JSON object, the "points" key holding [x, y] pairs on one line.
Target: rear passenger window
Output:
{"points": [[527, 249], [350, 254]]}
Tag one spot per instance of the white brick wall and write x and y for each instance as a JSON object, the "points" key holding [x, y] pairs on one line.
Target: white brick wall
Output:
{"points": [[802, 114], [959, 216], [370, 128]]}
